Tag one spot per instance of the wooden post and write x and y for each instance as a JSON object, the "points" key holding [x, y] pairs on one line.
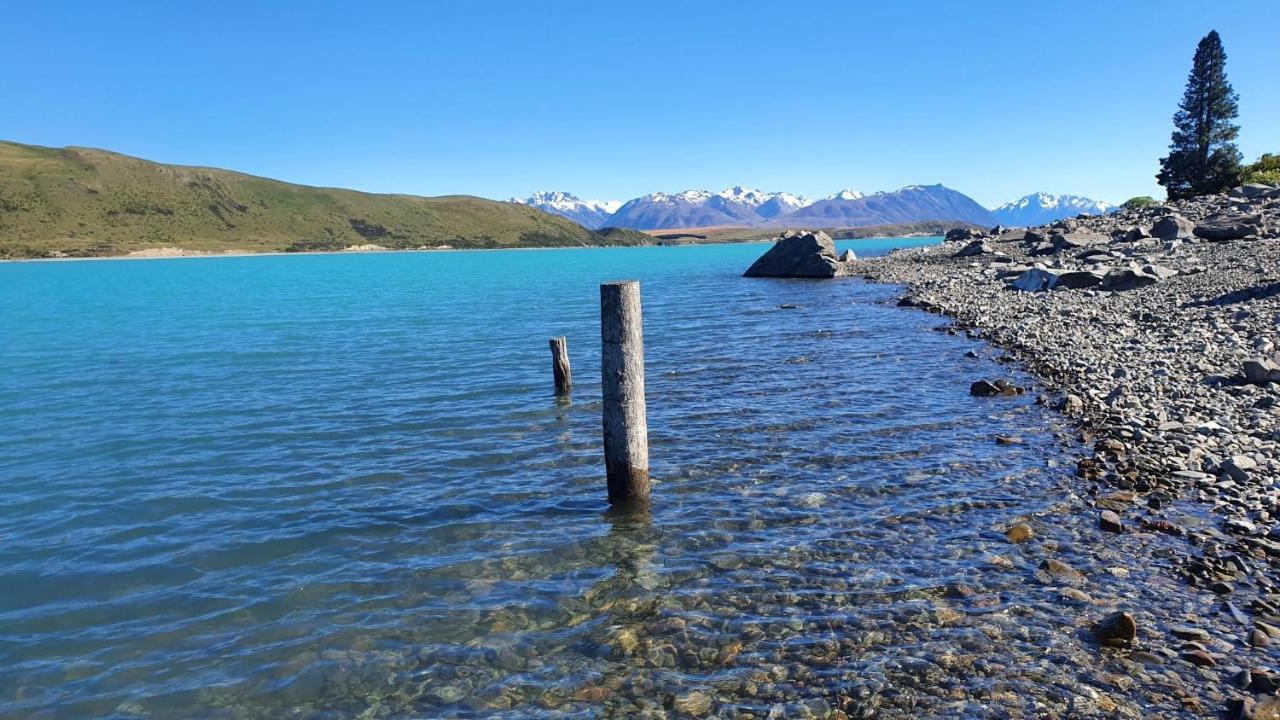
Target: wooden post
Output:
{"points": [[626, 432], [560, 364]]}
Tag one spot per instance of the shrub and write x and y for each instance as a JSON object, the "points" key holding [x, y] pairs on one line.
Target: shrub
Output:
{"points": [[1266, 170], [1137, 203]]}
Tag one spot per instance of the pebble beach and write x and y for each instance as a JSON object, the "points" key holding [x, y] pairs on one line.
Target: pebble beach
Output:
{"points": [[1154, 331]]}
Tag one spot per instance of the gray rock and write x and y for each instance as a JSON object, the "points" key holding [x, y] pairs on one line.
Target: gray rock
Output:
{"points": [[1187, 632], [1035, 279], [1095, 254], [1260, 371], [977, 247], [1076, 240], [1254, 191], [961, 234], [1072, 405], [1229, 228], [1110, 522], [800, 254], [1238, 467], [1173, 227], [1012, 236], [1127, 279], [1076, 279], [1159, 272], [1135, 234]]}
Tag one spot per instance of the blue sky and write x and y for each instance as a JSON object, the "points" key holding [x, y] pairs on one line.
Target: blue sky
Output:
{"points": [[498, 99]]}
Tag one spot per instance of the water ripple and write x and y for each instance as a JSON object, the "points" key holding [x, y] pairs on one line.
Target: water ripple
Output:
{"points": [[271, 486]]}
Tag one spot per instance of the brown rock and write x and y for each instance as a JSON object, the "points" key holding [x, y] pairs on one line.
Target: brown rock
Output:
{"points": [[593, 694], [1019, 533], [1118, 628], [1199, 657], [1056, 570], [694, 703]]}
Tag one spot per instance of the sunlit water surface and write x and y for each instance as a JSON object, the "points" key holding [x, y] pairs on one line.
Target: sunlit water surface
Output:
{"points": [[341, 486]]}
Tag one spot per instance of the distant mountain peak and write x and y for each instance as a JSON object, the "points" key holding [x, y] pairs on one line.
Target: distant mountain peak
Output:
{"points": [[847, 194], [1040, 208], [588, 213], [747, 196]]}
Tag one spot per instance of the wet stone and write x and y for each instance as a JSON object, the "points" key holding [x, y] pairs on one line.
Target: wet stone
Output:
{"points": [[1056, 571], [1110, 521], [1019, 533], [1186, 632], [694, 704], [1116, 629], [1198, 657]]}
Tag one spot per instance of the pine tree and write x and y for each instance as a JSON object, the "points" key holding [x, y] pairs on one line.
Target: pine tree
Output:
{"points": [[1202, 157]]}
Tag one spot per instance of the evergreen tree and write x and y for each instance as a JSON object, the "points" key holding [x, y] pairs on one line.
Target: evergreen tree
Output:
{"points": [[1202, 157]]}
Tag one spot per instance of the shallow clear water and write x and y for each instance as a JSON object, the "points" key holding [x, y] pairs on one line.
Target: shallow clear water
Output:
{"points": [[341, 486]]}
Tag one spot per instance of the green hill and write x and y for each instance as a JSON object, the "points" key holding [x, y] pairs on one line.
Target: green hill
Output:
{"points": [[81, 202]]}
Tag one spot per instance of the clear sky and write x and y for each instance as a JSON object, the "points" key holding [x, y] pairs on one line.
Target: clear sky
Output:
{"points": [[996, 99]]}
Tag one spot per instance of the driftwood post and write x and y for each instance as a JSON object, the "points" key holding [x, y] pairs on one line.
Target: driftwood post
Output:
{"points": [[626, 432], [560, 364]]}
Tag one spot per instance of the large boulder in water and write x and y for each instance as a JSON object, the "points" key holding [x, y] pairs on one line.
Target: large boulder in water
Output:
{"points": [[800, 254]]}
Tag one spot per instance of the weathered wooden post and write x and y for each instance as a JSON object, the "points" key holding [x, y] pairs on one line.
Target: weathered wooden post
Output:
{"points": [[560, 364], [626, 431]]}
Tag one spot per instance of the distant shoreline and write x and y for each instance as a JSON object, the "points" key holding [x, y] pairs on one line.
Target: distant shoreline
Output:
{"points": [[183, 254]]}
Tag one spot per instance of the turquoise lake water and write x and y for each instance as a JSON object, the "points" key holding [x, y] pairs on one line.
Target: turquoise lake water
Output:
{"points": [[341, 485]]}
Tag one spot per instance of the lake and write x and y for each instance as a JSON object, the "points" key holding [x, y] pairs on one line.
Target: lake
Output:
{"points": [[341, 486]]}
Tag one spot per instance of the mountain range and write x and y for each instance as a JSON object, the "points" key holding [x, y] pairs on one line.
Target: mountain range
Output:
{"points": [[1042, 208], [744, 207]]}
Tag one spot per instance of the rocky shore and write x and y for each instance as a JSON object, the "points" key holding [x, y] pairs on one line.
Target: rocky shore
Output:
{"points": [[1156, 330]]}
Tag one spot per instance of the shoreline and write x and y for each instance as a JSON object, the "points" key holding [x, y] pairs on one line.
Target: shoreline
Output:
{"points": [[1165, 377], [199, 254]]}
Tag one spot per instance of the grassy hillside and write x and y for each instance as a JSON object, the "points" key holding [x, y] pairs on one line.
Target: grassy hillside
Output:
{"points": [[82, 202]]}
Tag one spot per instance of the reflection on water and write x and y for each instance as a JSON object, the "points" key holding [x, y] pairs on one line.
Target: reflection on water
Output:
{"points": [[339, 487]]}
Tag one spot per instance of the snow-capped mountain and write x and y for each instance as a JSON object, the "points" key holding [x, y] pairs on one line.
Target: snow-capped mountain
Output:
{"points": [[745, 196], [588, 213], [914, 203], [740, 206], [737, 206], [846, 194], [780, 204], [1042, 208]]}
